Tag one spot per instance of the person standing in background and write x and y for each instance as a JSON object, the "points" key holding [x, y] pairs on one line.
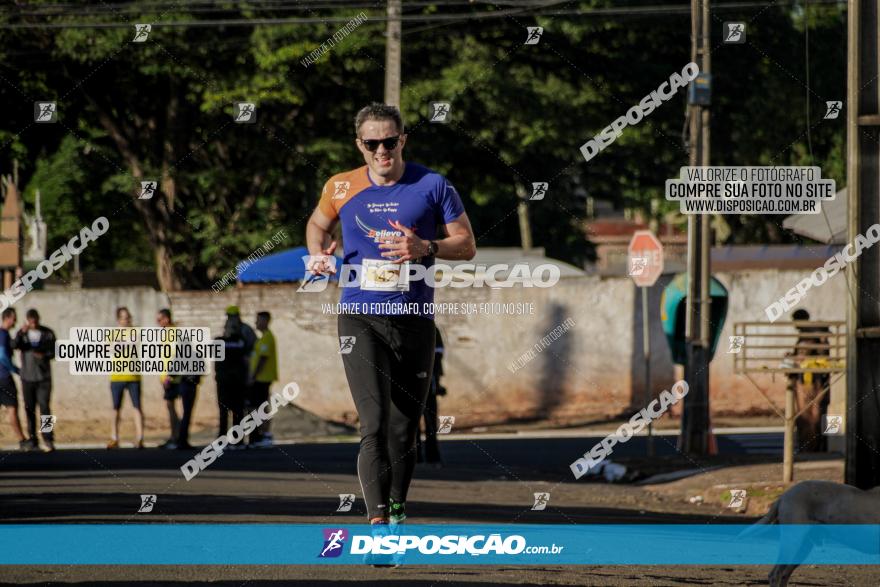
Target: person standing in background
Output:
{"points": [[263, 371], [8, 391], [171, 391], [37, 346], [231, 376], [431, 452], [119, 382]]}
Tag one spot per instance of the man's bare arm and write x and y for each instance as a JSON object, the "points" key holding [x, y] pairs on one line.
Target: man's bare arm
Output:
{"points": [[319, 240], [460, 245]]}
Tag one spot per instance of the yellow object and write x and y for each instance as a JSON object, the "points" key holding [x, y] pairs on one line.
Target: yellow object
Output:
{"points": [[117, 374], [232, 311], [818, 364], [265, 347]]}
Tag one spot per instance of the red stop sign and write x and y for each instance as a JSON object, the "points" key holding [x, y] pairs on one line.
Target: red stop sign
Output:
{"points": [[645, 258]]}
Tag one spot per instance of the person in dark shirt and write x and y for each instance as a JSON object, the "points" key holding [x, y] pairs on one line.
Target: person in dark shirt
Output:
{"points": [[231, 376], [8, 391], [812, 342], [37, 346], [431, 446]]}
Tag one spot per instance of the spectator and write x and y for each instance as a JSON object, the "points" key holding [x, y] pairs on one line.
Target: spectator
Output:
{"points": [[231, 376], [37, 346], [812, 342], [431, 446], [163, 319], [250, 337], [119, 383], [8, 391], [177, 386], [263, 371]]}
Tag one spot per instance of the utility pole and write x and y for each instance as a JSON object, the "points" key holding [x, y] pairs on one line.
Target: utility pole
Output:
{"points": [[522, 211], [695, 414], [863, 275], [392, 54]]}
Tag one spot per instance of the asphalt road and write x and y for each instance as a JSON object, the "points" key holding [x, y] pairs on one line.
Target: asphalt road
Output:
{"points": [[485, 480]]}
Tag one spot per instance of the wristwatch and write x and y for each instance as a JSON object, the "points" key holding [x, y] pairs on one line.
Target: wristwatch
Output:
{"points": [[433, 247]]}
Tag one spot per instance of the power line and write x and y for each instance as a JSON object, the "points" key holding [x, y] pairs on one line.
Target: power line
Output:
{"points": [[534, 9]]}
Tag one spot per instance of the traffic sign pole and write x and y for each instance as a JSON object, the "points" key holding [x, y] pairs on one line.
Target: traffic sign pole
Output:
{"points": [[645, 267], [646, 346]]}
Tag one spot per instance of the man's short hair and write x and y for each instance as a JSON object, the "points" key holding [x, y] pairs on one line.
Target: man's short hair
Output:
{"points": [[264, 316], [120, 310], [32, 314], [378, 111], [166, 312], [7, 313], [800, 314]]}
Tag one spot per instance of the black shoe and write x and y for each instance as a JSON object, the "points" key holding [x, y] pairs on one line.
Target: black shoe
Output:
{"points": [[27, 445], [168, 444]]}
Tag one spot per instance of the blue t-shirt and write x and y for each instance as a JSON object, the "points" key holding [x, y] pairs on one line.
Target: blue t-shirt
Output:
{"points": [[6, 345], [422, 199]]}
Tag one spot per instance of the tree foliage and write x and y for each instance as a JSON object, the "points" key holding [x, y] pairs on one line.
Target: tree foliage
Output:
{"points": [[163, 110]]}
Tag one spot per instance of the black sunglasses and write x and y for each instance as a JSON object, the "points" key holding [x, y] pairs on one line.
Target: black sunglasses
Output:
{"points": [[390, 143]]}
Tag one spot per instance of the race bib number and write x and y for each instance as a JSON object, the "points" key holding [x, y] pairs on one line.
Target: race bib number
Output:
{"points": [[382, 275]]}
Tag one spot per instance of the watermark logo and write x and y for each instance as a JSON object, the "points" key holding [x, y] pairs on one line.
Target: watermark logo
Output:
{"points": [[829, 269], [390, 276], [833, 425], [445, 425], [76, 245], [231, 276], [734, 33], [542, 344], [627, 430], [334, 540], [439, 112], [45, 112], [832, 109], [346, 500], [47, 423], [539, 190], [340, 189], [637, 266], [346, 344], [236, 433], [666, 91], [337, 37], [314, 283], [450, 544], [148, 189], [141, 32], [738, 499], [533, 34], [147, 503], [541, 501], [244, 112], [735, 344]]}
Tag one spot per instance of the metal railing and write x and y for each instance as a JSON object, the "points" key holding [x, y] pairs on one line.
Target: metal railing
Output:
{"points": [[805, 348]]}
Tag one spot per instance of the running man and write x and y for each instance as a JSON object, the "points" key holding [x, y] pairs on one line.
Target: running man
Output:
{"points": [[121, 381], [389, 211]]}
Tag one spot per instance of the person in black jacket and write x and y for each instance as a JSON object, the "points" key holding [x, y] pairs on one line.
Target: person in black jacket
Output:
{"points": [[431, 447], [37, 346], [231, 375]]}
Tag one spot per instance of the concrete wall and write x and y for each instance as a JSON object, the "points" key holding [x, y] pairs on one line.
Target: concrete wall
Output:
{"points": [[593, 371]]}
